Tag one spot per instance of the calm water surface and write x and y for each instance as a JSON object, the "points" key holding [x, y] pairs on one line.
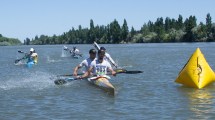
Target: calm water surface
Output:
{"points": [[31, 93]]}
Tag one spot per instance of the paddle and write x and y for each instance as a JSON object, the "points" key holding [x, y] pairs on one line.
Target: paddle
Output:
{"points": [[64, 81], [129, 72], [17, 60], [118, 71], [19, 51], [69, 75]]}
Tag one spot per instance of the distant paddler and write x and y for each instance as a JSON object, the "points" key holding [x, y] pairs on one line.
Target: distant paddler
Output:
{"points": [[75, 53], [31, 57]]}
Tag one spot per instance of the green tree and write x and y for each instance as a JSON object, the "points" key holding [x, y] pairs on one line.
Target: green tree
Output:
{"points": [[189, 25], [125, 31], [209, 26], [180, 24], [27, 41], [91, 34], [159, 29], [133, 31], [167, 24], [115, 31], [145, 29]]}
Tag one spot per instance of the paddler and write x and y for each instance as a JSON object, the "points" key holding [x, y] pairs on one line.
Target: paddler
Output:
{"points": [[32, 56], [99, 67], [86, 63], [108, 57], [75, 51]]}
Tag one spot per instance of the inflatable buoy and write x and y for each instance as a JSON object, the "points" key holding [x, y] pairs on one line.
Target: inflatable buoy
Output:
{"points": [[196, 73]]}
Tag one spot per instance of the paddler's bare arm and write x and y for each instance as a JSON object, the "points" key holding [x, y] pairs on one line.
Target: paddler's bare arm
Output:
{"points": [[112, 71], [75, 73], [86, 74]]}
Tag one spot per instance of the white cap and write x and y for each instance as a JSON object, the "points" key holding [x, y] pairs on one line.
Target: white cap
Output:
{"points": [[32, 49]]}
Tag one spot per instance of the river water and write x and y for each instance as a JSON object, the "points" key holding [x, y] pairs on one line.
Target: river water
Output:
{"points": [[31, 93]]}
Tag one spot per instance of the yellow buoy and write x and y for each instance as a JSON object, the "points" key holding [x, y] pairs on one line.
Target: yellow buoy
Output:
{"points": [[196, 73]]}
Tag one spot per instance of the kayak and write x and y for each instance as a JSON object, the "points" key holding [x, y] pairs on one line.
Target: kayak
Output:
{"points": [[76, 56], [30, 64], [103, 83]]}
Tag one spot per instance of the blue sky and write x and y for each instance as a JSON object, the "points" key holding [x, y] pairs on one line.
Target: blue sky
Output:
{"points": [[28, 18]]}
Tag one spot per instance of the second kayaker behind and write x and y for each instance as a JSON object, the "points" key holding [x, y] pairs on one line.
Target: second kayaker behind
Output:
{"points": [[108, 57]]}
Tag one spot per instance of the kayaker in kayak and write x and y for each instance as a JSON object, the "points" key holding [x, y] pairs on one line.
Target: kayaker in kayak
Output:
{"points": [[108, 57], [86, 63], [99, 67], [32, 56], [75, 51]]}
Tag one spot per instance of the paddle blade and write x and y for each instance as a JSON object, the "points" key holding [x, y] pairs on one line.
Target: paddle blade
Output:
{"points": [[16, 61], [60, 82], [133, 72], [127, 72], [69, 75], [19, 51], [64, 81]]}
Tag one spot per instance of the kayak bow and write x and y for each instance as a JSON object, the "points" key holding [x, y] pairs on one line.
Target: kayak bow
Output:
{"points": [[103, 83]]}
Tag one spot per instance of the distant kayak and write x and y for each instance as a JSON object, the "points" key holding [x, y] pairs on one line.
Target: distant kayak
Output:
{"points": [[76, 56], [74, 53]]}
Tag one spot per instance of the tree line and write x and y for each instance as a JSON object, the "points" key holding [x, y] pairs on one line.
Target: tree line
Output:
{"points": [[160, 31], [4, 41]]}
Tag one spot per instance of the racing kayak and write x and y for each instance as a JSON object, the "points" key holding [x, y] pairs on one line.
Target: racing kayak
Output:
{"points": [[30, 64], [103, 83], [76, 56]]}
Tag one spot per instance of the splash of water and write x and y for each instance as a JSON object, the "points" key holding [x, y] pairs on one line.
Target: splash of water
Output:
{"points": [[63, 53], [32, 81], [51, 60]]}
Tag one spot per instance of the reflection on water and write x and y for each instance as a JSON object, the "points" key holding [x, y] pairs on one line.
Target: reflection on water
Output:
{"points": [[201, 102]]}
